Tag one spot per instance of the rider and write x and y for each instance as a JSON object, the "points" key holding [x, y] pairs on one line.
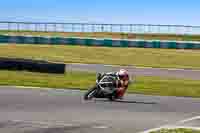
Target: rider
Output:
{"points": [[122, 82]]}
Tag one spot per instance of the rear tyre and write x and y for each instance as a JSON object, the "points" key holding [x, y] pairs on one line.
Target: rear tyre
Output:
{"points": [[90, 94], [113, 96]]}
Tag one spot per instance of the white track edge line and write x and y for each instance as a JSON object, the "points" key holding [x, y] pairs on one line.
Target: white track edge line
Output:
{"points": [[174, 127]]}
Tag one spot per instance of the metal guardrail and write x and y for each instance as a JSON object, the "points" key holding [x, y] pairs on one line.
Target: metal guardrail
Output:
{"points": [[89, 27]]}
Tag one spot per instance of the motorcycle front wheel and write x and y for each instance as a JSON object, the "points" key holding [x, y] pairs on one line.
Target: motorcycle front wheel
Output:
{"points": [[90, 93]]}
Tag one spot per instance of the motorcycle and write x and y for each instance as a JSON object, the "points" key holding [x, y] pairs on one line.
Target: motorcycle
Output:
{"points": [[103, 83]]}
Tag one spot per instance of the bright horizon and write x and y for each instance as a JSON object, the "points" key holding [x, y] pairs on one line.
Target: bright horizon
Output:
{"points": [[181, 12]]}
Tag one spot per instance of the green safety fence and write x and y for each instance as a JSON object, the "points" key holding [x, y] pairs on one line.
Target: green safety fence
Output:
{"points": [[13, 39], [29, 40], [116, 43], [156, 44], [172, 45], [88, 42], [39, 40], [141, 44], [124, 43], [108, 42], [20, 39], [71, 41], [4, 39], [55, 40], [189, 46], [99, 42]]}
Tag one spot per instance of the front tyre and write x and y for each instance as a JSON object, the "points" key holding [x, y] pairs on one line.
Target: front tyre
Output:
{"points": [[90, 94]]}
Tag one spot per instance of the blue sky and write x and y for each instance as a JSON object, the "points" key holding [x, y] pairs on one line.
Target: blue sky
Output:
{"points": [[102, 11]]}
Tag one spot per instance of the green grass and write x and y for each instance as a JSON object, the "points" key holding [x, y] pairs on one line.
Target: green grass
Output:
{"points": [[158, 58], [82, 80], [181, 130], [69, 80], [108, 35]]}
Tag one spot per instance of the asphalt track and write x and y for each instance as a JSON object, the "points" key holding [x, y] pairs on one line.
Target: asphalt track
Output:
{"points": [[63, 111], [138, 71], [25, 110]]}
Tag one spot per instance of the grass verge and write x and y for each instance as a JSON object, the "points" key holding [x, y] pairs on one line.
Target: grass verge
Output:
{"points": [[181, 130], [108, 35], [158, 58], [82, 80]]}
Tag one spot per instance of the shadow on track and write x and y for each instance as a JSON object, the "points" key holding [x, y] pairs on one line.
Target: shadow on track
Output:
{"points": [[124, 101]]}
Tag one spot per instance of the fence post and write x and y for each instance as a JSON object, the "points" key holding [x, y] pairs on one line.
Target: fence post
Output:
{"points": [[45, 27], [8, 28], [93, 28], [111, 28], [149, 28], [35, 27], [102, 28], [168, 29], [82, 28], [63, 27], [55, 28], [120, 27], [27, 27], [131, 28], [72, 27], [18, 27]]}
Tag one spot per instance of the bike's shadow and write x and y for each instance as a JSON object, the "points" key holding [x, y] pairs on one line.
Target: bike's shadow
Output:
{"points": [[124, 101]]}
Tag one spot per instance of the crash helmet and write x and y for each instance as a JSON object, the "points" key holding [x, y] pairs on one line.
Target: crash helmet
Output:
{"points": [[123, 74]]}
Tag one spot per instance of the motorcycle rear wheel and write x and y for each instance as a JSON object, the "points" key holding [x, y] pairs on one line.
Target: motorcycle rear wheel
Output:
{"points": [[113, 96]]}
